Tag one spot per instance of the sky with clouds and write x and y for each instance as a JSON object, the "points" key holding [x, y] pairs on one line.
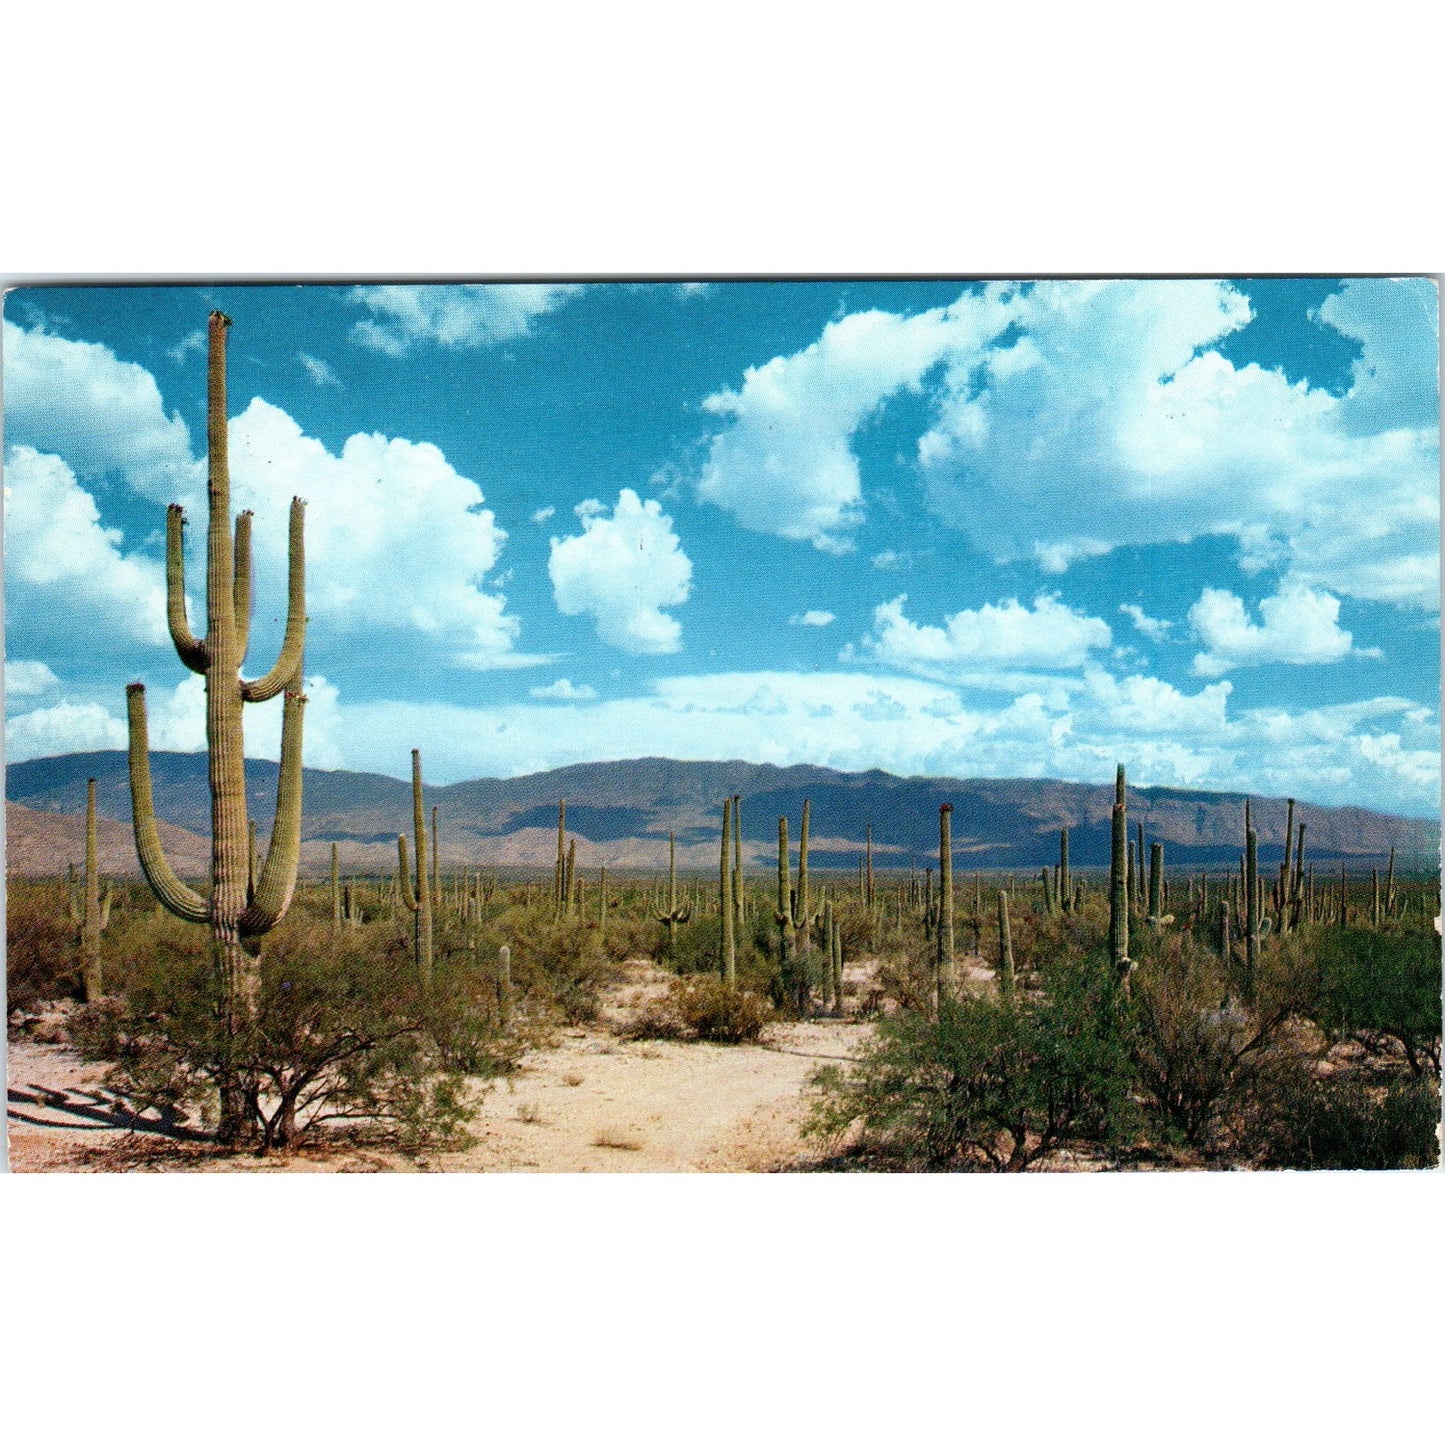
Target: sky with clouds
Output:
{"points": [[937, 527]]}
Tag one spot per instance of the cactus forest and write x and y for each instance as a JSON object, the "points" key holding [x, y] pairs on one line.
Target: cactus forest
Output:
{"points": [[998, 742]]}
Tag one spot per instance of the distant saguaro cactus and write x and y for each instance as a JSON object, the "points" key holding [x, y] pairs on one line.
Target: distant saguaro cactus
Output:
{"points": [[335, 893], [943, 970], [232, 917], [1119, 880], [676, 913], [418, 898], [559, 882], [90, 911], [729, 960], [1251, 910], [793, 915], [1005, 949], [504, 985]]}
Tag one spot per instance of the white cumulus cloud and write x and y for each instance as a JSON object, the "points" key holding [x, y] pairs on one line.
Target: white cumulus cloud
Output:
{"points": [[76, 400], [624, 568], [995, 637], [452, 316], [395, 536], [1070, 418], [1299, 625], [813, 617], [1105, 417], [565, 690], [1154, 628], [66, 727], [782, 463], [63, 564], [28, 679]]}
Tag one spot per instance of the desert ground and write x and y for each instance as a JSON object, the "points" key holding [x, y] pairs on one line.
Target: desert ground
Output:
{"points": [[591, 1101]]}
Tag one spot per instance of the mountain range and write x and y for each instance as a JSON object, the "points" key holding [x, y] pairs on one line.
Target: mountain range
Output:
{"points": [[621, 814]]}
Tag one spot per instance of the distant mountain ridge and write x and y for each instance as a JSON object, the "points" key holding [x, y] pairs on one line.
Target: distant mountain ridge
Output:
{"points": [[621, 813]]}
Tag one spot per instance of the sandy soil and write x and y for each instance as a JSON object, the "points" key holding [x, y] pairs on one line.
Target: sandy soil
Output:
{"points": [[590, 1103]]}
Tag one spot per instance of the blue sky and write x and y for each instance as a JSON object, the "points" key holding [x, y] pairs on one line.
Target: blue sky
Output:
{"points": [[933, 527]]}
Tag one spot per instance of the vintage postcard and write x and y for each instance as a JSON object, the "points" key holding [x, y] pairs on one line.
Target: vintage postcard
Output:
{"points": [[915, 724]]}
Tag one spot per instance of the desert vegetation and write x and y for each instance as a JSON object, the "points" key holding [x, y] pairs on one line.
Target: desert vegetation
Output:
{"points": [[1138, 1017]]}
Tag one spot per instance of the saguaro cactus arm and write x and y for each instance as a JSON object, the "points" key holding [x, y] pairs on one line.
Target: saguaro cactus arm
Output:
{"points": [[189, 647], [289, 662], [408, 896], [177, 897], [241, 589], [283, 854]]}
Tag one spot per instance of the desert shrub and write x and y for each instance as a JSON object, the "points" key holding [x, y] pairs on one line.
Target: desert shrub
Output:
{"points": [[1302, 1120], [558, 965], [1195, 1050], [699, 949], [711, 1010], [1375, 986], [704, 1007], [629, 934], [342, 1031], [42, 947], [905, 975], [987, 1084]]}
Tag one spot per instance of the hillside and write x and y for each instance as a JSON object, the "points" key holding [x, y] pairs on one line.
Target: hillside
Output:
{"points": [[621, 814]]}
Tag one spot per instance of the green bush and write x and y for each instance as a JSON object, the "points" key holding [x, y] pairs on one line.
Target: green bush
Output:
{"points": [[711, 1010], [42, 946], [342, 1031], [1305, 1121], [1375, 986], [704, 1007], [988, 1084], [1195, 1050], [559, 965]]}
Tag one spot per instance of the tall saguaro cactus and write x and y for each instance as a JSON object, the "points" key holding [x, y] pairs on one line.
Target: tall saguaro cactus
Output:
{"points": [[417, 898], [729, 960], [232, 916]]}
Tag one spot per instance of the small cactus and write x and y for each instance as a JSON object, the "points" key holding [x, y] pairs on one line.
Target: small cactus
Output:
{"points": [[836, 954], [504, 985]]}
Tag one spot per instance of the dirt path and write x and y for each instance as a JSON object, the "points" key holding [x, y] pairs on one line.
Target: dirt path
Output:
{"points": [[593, 1103]]}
